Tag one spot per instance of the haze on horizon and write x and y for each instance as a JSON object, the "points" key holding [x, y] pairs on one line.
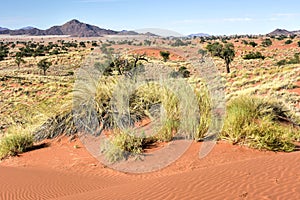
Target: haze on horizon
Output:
{"points": [[214, 17]]}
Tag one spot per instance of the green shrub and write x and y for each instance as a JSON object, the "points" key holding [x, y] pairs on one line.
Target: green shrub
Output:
{"points": [[266, 42], [253, 44], [288, 42], [255, 122], [254, 55], [245, 42], [202, 52], [120, 145], [13, 144], [281, 62], [281, 37], [165, 55], [182, 72]]}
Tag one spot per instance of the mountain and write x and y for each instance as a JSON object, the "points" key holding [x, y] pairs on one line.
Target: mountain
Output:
{"points": [[280, 32], [3, 29], [158, 32], [73, 28], [78, 29], [125, 32], [199, 35], [27, 28], [296, 32]]}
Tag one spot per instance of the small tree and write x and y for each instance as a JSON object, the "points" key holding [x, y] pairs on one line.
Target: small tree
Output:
{"points": [[226, 52], [253, 44], [44, 65], [19, 60], [267, 42], [288, 42], [165, 55]]}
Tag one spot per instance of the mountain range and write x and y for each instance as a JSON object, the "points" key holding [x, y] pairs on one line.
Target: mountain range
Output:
{"points": [[73, 28], [76, 28]]}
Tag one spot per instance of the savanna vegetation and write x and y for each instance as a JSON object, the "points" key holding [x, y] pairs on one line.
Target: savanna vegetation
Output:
{"points": [[37, 86]]}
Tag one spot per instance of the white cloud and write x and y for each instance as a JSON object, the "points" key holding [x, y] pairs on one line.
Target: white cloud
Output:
{"points": [[238, 19], [287, 14]]}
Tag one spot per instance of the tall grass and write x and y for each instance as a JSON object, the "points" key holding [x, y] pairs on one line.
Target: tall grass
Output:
{"points": [[259, 123], [15, 142]]}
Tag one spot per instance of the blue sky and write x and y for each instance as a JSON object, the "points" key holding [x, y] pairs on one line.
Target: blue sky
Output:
{"points": [[188, 16]]}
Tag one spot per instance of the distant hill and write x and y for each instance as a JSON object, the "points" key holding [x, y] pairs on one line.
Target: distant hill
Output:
{"points": [[27, 28], [73, 28], [3, 29], [278, 32], [158, 32], [296, 32], [199, 35]]}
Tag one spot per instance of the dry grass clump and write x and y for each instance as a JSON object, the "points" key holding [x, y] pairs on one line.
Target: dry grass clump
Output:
{"points": [[260, 123], [16, 141]]}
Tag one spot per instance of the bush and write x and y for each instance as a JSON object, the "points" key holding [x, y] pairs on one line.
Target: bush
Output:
{"points": [[120, 145], [245, 42], [13, 144], [165, 55], [82, 44], [294, 60], [267, 42], [255, 122], [182, 72], [253, 44], [202, 52], [281, 62], [254, 55], [94, 44], [288, 42], [179, 43], [281, 37]]}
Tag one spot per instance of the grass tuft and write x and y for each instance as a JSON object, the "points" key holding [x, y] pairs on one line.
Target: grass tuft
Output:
{"points": [[259, 123], [13, 144]]}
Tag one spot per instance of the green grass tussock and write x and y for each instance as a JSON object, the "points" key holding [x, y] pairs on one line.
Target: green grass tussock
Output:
{"points": [[13, 144], [259, 123]]}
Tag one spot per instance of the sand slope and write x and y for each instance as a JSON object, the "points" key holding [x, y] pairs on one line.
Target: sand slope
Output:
{"points": [[61, 171]]}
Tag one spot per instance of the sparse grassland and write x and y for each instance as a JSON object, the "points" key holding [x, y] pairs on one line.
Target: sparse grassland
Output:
{"points": [[42, 105]]}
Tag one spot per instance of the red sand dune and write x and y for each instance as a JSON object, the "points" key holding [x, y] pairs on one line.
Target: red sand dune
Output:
{"points": [[61, 171]]}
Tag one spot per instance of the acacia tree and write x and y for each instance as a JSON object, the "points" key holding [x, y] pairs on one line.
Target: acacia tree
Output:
{"points": [[122, 65], [226, 52], [165, 55], [44, 65], [19, 60]]}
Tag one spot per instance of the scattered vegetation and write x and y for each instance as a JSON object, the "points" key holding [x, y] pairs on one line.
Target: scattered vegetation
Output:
{"points": [[294, 60], [254, 55], [256, 122]]}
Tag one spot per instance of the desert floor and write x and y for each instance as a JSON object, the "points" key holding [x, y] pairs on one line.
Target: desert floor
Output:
{"points": [[61, 171]]}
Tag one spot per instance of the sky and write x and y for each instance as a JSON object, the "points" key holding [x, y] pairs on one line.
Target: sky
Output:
{"points": [[215, 17]]}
